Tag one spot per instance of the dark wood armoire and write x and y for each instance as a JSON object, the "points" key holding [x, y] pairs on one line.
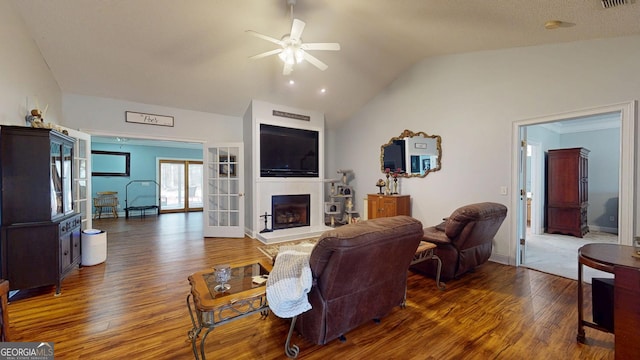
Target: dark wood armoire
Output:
{"points": [[39, 229], [567, 191]]}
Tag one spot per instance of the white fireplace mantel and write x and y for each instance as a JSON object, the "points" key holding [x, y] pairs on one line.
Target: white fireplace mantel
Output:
{"points": [[260, 190]]}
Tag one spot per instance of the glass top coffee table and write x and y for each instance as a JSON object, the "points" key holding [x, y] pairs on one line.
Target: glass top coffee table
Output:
{"points": [[209, 307]]}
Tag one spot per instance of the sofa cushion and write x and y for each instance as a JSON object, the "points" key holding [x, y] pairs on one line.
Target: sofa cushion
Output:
{"points": [[434, 235]]}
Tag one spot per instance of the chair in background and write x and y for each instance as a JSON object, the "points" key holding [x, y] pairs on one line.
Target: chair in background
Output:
{"points": [[4, 317], [464, 240], [106, 201]]}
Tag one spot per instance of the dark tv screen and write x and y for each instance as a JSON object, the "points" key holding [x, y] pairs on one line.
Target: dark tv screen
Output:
{"points": [[288, 152], [394, 156]]}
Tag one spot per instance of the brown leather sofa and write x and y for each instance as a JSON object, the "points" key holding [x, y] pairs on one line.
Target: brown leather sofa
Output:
{"points": [[359, 275], [464, 240]]}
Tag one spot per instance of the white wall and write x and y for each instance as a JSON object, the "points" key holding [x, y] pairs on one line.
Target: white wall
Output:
{"points": [[471, 100], [24, 73], [104, 116]]}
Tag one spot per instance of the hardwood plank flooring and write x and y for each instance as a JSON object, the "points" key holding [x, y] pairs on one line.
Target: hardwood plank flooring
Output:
{"points": [[133, 306]]}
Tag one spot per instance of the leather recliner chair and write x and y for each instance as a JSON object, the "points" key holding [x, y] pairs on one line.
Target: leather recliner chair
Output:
{"points": [[359, 274], [464, 240]]}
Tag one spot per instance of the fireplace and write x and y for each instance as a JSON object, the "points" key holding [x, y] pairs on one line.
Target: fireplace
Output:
{"points": [[289, 211]]}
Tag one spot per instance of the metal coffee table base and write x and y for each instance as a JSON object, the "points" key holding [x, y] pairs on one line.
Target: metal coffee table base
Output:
{"points": [[220, 316]]}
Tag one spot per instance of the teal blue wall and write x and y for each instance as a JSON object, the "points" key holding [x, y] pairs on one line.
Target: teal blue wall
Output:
{"points": [[143, 167]]}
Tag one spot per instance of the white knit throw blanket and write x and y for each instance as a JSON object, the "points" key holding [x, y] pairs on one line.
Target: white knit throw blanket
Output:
{"points": [[290, 281]]}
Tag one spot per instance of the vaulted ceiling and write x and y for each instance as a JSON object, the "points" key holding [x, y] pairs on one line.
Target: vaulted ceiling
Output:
{"points": [[194, 54]]}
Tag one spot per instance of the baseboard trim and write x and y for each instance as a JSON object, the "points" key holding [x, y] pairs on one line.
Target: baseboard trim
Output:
{"points": [[610, 230], [501, 259]]}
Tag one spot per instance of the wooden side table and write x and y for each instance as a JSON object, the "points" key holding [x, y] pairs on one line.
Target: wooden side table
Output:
{"points": [[212, 308], [618, 260], [424, 252], [380, 205]]}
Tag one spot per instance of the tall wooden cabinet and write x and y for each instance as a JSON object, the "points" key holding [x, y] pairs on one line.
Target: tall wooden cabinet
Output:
{"points": [[379, 205], [39, 229], [567, 191]]}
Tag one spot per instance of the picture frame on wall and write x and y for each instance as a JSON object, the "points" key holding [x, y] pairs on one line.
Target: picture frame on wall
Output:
{"points": [[227, 165]]}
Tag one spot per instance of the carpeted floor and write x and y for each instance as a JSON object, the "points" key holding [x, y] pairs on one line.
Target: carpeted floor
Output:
{"points": [[271, 251], [558, 254]]}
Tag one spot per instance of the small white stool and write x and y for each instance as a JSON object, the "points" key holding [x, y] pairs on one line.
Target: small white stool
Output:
{"points": [[93, 245]]}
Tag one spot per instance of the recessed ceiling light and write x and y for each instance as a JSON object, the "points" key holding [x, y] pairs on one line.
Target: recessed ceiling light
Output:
{"points": [[291, 82], [323, 90]]}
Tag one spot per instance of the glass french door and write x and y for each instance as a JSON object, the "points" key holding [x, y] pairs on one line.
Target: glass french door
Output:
{"points": [[522, 203], [224, 197], [82, 202], [181, 186]]}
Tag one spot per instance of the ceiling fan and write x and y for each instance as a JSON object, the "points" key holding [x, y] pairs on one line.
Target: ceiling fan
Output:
{"points": [[292, 50]]}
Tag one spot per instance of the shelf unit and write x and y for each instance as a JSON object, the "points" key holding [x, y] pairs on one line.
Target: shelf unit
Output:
{"points": [[340, 209]]}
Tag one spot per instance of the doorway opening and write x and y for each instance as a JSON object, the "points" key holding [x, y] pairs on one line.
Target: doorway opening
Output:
{"points": [[529, 176], [180, 186]]}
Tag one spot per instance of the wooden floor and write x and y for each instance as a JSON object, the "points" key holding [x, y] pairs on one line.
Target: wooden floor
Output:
{"points": [[134, 307]]}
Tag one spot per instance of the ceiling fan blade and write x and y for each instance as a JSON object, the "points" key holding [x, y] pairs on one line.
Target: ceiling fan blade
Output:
{"points": [[288, 68], [315, 62], [296, 30], [265, 37], [321, 46], [265, 54]]}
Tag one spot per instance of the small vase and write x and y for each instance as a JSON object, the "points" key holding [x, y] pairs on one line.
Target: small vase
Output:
{"points": [[222, 274]]}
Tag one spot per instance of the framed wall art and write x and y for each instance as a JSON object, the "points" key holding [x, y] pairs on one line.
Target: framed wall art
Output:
{"points": [[148, 119]]}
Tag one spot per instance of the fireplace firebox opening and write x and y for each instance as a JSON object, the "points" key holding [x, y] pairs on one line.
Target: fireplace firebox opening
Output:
{"points": [[289, 211]]}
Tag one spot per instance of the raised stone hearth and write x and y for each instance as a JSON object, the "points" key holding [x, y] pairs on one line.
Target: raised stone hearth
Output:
{"points": [[282, 235]]}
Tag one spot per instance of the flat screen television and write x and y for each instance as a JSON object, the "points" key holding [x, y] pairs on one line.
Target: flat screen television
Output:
{"points": [[394, 156], [288, 152]]}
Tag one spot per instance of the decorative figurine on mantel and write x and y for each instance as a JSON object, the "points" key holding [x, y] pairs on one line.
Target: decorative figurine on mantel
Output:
{"points": [[266, 229]]}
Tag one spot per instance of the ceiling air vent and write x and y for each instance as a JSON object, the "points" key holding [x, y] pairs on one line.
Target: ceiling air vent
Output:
{"points": [[613, 3]]}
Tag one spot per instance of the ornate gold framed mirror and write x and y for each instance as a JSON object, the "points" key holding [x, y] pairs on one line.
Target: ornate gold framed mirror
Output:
{"points": [[416, 154]]}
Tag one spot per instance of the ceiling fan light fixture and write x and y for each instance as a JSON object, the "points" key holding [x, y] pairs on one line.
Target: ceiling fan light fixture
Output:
{"points": [[292, 50], [299, 55], [291, 55]]}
